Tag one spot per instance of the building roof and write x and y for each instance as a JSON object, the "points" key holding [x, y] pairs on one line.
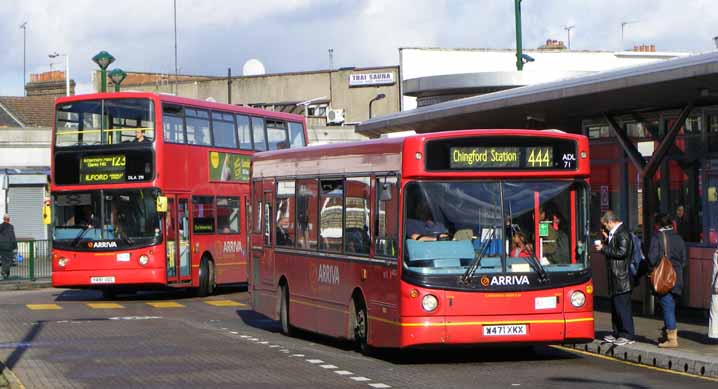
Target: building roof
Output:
{"points": [[661, 85], [27, 111]]}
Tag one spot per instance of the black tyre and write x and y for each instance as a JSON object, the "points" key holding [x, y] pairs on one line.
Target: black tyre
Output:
{"points": [[361, 326], [287, 328], [206, 278]]}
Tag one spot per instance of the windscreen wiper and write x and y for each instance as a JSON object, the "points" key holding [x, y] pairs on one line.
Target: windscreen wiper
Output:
{"points": [[475, 263], [82, 235], [537, 266]]}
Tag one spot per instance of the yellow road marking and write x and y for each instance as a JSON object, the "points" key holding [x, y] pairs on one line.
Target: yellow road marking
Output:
{"points": [[42, 307], [166, 304], [225, 303], [104, 305], [601, 356]]}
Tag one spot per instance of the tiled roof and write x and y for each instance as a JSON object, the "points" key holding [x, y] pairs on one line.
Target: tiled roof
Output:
{"points": [[32, 111]]}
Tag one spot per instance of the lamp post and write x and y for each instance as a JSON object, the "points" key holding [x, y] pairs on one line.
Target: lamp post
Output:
{"points": [[103, 59], [377, 97], [24, 54], [67, 70], [117, 76]]}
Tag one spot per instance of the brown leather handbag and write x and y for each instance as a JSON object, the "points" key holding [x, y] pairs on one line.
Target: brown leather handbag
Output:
{"points": [[663, 276]]}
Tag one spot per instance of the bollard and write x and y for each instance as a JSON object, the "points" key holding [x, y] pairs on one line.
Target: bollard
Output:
{"points": [[31, 263]]}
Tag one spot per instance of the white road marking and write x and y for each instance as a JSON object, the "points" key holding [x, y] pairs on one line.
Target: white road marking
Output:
{"points": [[360, 379], [315, 361], [244, 336], [264, 342], [328, 367], [343, 372], [273, 346], [380, 385], [297, 355], [234, 332]]}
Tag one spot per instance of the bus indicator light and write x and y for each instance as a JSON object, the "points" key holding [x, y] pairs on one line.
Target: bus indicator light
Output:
{"points": [[413, 293]]}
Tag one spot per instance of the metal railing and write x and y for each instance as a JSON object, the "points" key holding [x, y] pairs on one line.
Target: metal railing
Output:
{"points": [[33, 260]]}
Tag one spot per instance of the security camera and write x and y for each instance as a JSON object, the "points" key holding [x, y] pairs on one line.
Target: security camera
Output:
{"points": [[527, 58]]}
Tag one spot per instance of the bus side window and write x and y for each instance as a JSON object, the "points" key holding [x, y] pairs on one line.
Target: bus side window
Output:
{"points": [[356, 216], [386, 217]]}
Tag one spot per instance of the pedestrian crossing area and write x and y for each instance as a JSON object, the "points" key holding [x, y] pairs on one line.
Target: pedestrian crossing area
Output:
{"points": [[123, 305]]}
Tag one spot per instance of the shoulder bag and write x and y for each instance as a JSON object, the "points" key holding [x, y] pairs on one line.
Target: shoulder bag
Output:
{"points": [[663, 276]]}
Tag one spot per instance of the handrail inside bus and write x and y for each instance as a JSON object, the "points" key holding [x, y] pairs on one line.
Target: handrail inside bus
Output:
{"points": [[106, 130]]}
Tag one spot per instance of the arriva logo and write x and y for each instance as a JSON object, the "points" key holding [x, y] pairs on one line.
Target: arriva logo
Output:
{"points": [[102, 245], [328, 274], [232, 247], [509, 280]]}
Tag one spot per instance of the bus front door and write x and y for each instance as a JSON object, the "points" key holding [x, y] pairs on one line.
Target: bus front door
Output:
{"points": [[177, 236]]}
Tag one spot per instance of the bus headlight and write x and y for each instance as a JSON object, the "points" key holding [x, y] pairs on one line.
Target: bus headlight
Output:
{"points": [[62, 262], [429, 303], [144, 259], [578, 299]]}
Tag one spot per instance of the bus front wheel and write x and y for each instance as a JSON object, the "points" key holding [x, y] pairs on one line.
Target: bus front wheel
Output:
{"points": [[206, 278], [287, 328]]}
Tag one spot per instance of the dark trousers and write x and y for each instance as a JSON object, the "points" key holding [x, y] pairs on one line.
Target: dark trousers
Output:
{"points": [[622, 315], [6, 260]]}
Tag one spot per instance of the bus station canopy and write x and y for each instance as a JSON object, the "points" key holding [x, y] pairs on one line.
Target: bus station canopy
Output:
{"points": [[563, 104]]}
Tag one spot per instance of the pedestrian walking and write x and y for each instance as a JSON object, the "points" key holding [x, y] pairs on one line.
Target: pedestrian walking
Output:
{"points": [[713, 319], [8, 245], [667, 242], [617, 247]]}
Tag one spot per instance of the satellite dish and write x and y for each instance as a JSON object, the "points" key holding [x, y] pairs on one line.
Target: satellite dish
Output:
{"points": [[253, 67]]}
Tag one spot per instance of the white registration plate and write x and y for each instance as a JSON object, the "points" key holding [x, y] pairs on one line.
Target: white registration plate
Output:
{"points": [[505, 330], [102, 280]]}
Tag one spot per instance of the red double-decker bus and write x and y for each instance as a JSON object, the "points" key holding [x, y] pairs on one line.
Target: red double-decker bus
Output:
{"points": [[152, 190], [465, 237]]}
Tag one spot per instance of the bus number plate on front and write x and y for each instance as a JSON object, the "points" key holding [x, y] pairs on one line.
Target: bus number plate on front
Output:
{"points": [[505, 330], [102, 280]]}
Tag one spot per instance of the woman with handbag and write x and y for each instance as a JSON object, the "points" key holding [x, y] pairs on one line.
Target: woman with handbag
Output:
{"points": [[668, 250]]}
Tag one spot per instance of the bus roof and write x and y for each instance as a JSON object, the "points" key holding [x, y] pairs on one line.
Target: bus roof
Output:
{"points": [[374, 154], [183, 101]]}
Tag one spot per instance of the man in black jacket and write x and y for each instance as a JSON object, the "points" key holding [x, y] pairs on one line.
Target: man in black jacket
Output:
{"points": [[617, 249], [8, 245]]}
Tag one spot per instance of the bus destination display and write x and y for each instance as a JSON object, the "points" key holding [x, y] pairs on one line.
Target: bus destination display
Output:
{"points": [[529, 157], [103, 169]]}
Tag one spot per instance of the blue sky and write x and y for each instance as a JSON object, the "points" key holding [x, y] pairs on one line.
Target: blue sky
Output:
{"points": [[294, 35]]}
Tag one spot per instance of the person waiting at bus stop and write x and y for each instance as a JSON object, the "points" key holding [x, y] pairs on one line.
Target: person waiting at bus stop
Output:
{"points": [[8, 245], [423, 227], [617, 249]]}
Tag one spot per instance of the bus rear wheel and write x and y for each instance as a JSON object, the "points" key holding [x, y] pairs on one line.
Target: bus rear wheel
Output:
{"points": [[206, 278], [361, 326], [287, 328]]}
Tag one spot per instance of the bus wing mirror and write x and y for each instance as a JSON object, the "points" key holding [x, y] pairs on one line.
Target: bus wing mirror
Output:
{"points": [[385, 192], [46, 214], [161, 204]]}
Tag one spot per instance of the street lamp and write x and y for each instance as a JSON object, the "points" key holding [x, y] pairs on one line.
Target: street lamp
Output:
{"points": [[103, 59], [117, 76], [24, 54], [377, 97], [715, 40], [67, 70]]}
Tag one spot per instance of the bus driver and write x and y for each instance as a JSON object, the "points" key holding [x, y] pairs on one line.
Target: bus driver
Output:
{"points": [[423, 227]]}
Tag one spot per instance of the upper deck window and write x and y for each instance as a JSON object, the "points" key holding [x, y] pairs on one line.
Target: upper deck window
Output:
{"points": [[109, 121], [296, 135], [277, 135], [223, 130], [197, 122]]}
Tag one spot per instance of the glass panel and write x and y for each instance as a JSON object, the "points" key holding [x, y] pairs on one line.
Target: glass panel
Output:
{"points": [[243, 132], [331, 212], [387, 217], [170, 218], [173, 128], [260, 143], [307, 214], [296, 135], [277, 135], [198, 130], [127, 216], [285, 214], [203, 214], [184, 246], [356, 228], [223, 132], [258, 207], [107, 121], [267, 219], [228, 215]]}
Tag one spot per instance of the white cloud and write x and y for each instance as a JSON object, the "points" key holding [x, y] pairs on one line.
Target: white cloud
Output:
{"points": [[294, 35]]}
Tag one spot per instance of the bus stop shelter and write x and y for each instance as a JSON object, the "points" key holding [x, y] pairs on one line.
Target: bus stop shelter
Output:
{"points": [[653, 132]]}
